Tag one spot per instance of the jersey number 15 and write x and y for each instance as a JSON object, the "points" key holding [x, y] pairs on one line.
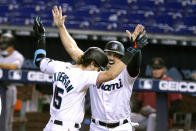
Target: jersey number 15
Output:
{"points": [[57, 98]]}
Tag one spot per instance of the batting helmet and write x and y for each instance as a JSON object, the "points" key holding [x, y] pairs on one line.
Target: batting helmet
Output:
{"points": [[115, 46], [7, 39], [97, 55]]}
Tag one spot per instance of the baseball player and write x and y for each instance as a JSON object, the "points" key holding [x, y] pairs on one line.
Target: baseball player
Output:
{"points": [[70, 82], [109, 100], [9, 59]]}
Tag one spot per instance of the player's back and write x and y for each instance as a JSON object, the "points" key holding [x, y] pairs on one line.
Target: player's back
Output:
{"points": [[69, 88]]}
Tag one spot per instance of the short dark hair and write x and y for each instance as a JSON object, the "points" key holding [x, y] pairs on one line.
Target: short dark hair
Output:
{"points": [[86, 62]]}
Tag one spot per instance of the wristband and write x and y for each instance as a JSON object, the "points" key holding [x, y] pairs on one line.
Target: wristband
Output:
{"points": [[38, 52], [132, 50]]}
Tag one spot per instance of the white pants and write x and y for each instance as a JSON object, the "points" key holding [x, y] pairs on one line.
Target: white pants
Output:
{"points": [[123, 127], [11, 97], [67, 126]]}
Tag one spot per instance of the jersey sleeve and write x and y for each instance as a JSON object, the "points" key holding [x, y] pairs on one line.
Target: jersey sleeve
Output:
{"points": [[50, 66], [127, 79], [89, 78], [19, 61]]}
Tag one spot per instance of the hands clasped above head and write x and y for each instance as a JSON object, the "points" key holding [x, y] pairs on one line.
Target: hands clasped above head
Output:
{"points": [[138, 39]]}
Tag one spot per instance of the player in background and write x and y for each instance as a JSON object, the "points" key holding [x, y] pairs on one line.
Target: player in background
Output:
{"points": [[70, 82], [147, 100], [109, 100], [9, 59]]}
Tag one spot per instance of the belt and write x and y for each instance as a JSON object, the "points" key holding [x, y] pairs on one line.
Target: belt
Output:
{"points": [[110, 125], [57, 122]]}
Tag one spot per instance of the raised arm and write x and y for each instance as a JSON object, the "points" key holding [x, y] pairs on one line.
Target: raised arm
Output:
{"points": [[68, 42], [39, 31], [112, 73], [134, 49], [46, 65], [133, 67]]}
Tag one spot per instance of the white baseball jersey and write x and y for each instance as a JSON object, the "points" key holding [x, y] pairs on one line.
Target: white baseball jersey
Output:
{"points": [[69, 89], [110, 101], [11, 92], [15, 58]]}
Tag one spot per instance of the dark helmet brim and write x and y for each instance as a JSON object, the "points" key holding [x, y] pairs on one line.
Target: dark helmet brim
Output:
{"points": [[117, 52], [115, 46]]}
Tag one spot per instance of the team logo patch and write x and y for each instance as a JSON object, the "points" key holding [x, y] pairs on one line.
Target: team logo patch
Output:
{"points": [[114, 46]]}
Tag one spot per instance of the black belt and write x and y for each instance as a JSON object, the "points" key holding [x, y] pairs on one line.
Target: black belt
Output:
{"points": [[57, 122], [110, 125]]}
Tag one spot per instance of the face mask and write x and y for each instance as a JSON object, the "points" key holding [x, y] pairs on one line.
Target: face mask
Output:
{"points": [[4, 53]]}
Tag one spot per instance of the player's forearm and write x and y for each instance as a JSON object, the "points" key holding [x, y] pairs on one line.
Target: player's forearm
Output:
{"points": [[9, 66], [39, 31], [133, 66], [112, 73], [69, 44]]}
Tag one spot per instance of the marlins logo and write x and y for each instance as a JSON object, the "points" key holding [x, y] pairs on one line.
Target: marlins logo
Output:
{"points": [[114, 47]]}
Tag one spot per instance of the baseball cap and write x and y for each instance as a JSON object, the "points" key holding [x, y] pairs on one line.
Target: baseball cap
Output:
{"points": [[157, 63]]}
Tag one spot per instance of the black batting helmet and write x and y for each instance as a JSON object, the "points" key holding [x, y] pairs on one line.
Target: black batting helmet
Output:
{"points": [[115, 46], [7, 39], [97, 55]]}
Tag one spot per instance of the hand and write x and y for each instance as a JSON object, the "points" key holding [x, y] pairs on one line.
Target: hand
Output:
{"points": [[57, 16], [141, 40], [139, 28], [138, 38], [39, 28]]}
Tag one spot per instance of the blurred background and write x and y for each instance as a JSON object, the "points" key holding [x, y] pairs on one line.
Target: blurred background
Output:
{"points": [[170, 24]]}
